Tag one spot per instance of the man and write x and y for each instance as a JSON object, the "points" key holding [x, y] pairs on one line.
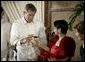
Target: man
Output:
{"points": [[22, 29]]}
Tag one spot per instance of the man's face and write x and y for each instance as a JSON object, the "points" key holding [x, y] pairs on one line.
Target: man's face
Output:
{"points": [[29, 15]]}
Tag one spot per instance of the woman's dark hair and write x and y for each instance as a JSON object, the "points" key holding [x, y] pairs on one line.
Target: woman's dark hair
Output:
{"points": [[61, 24], [31, 7], [80, 27]]}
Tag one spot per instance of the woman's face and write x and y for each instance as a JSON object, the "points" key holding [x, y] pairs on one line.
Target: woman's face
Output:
{"points": [[79, 35], [56, 31]]}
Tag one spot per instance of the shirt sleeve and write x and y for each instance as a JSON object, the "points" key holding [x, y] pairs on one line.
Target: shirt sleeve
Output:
{"points": [[57, 52], [14, 37]]}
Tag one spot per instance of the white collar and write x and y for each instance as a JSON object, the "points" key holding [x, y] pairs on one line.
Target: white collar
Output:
{"points": [[25, 21]]}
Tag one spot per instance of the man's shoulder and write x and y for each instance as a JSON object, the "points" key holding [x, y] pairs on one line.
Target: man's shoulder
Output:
{"points": [[18, 21]]}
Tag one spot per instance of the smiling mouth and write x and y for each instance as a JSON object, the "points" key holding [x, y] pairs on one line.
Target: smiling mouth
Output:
{"points": [[28, 21]]}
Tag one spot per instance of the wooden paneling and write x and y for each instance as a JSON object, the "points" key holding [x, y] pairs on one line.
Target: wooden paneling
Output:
{"points": [[48, 18]]}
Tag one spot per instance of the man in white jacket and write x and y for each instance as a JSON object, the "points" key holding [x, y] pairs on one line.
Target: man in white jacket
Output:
{"points": [[21, 29]]}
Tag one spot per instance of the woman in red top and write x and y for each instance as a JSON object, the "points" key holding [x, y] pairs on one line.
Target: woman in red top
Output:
{"points": [[61, 47]]}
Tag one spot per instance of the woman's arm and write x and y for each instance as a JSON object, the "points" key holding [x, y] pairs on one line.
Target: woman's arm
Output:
{"points": [[39, 43]]}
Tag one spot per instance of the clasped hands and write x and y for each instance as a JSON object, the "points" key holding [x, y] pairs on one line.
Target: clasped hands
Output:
{"points": [[31, 38]]}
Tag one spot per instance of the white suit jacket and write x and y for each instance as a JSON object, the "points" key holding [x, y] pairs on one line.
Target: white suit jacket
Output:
{"points": [[21, 29]]}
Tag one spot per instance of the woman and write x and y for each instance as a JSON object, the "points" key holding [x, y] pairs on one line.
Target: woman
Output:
{"points": [[61, 47], [80, 34]]}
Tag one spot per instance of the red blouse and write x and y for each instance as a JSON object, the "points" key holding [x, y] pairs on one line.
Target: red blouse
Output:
{"points": [[65, 49]]}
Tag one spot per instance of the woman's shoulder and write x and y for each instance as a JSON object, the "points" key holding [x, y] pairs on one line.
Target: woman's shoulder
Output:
{"points": [[69, 40]]}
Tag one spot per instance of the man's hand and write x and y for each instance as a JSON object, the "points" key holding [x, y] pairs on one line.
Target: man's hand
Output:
{"points": [[23, 41], [27, 39]]}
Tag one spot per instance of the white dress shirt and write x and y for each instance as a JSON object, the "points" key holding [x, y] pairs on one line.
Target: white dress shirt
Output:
{"points": [[21, 29]]}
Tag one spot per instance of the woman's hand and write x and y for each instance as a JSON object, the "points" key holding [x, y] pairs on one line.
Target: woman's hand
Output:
{"points": [[34, 41], [39, 43]]}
